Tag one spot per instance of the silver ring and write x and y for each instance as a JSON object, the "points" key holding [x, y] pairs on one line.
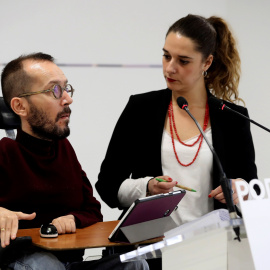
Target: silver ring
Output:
{"points": [[232, 191]]}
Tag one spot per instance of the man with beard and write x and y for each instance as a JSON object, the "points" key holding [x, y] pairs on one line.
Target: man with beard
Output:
{"points": [[41, 180]]}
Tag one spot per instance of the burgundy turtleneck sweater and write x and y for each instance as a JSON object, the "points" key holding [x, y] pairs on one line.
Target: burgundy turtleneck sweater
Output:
{"points": [[45, 177]]}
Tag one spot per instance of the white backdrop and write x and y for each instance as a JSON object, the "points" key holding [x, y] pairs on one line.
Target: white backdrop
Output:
{"points": [[128, 33]]}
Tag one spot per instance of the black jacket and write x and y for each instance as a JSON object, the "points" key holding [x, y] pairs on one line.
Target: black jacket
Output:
{"points": [[135, 147]]}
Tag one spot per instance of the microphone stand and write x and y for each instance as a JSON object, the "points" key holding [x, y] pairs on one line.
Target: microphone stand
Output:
{"points": [[247, 118], [224, 182]]}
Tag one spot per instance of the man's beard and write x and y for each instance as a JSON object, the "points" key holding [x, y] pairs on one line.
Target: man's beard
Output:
{"points": [[45, 128]]}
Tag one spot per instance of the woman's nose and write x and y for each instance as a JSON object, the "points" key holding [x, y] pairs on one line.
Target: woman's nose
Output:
{"points": [[171, 69]]}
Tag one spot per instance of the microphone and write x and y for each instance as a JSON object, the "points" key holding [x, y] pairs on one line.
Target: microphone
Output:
{"points": [[224, 182], [219, 104]]}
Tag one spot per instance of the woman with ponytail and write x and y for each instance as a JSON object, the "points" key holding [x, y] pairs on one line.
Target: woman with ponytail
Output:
{"points": [[155, 138]]}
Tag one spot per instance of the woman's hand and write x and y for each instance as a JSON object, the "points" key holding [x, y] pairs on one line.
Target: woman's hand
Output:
{"points": [[218, 193], [156, 187]]}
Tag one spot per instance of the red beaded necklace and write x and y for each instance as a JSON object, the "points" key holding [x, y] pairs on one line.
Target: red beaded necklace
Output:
{"points": [[173, 128]]}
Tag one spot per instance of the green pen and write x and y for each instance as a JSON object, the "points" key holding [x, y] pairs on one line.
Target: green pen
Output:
{"points": [[183, 187]]}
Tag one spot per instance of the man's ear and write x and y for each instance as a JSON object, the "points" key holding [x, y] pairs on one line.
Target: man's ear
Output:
{"points": [[19, 106]]}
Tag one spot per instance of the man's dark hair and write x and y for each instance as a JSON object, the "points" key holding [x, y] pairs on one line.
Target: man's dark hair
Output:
{"points": [[14, 80]]}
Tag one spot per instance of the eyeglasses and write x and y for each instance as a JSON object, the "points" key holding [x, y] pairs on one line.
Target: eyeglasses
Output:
{"points": [[57, 91]]}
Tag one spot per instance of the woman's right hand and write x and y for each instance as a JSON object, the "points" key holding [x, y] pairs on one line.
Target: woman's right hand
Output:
{"points": [[156, 187]]}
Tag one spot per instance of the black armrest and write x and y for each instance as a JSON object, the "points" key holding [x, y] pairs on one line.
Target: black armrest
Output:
{"points": [[14, 249]]}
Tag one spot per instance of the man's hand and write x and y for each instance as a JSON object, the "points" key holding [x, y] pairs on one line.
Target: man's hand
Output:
{"points": [[9, 222], [156, 187], [65, 224]]}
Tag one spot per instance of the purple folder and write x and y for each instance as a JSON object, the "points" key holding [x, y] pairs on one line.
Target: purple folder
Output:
{"points": [[147, 209]]}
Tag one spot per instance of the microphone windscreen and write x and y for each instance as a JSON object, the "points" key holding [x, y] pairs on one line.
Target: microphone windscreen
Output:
{"points": [[181, 101], [215, 102]]}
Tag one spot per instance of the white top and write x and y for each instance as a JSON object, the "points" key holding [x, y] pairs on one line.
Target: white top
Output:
{"points": [[197, 176]]}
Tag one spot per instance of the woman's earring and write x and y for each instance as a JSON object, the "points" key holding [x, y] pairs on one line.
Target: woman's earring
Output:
{"points": [[204, 73]]}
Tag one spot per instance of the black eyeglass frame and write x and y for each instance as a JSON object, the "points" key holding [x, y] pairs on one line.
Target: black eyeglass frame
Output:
{"points": [[71, 91]]}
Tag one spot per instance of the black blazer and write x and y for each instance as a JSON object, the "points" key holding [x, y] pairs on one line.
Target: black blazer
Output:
{"points": [[135, 147]]}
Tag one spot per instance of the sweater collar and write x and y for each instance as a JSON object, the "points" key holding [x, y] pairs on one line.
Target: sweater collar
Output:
{"points": [[35, 145]]}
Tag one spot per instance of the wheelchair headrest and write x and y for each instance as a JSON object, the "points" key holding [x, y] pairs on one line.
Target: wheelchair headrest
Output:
{"points": [[8, 119]]}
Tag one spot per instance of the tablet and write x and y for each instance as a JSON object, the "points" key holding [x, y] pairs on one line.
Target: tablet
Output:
{"points": [[146, 209]]}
